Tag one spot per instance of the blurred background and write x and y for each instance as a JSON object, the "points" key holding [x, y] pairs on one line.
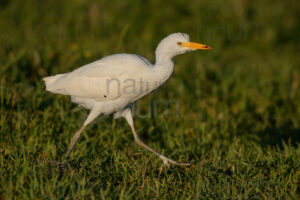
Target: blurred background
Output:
{"points": [[246, 89], [253, 68]]}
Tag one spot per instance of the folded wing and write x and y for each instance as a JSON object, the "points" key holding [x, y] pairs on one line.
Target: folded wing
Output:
{"points": [[101, 80]]}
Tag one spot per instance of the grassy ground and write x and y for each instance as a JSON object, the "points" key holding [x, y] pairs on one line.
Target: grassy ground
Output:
{"points": [[233, 111]]}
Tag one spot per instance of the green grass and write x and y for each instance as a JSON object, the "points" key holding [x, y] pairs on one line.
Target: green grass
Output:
{"points": [[233, 111]]}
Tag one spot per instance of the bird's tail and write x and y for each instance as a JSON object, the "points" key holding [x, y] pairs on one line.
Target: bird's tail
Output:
{"points": [[52, 79]]}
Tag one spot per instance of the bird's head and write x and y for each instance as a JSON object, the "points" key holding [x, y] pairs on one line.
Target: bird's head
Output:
{"points": [[177, 43]]}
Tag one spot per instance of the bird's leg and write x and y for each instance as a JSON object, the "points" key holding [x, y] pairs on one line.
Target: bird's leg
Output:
{"points": [[72, 144], [93, 114], [73, 141], [166, 161]]}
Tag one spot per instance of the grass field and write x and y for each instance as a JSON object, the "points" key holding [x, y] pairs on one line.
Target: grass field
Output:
{"points": [[233, 111]]}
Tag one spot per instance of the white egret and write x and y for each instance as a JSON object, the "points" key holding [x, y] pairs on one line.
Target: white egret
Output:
{"points": [[109, 85]]}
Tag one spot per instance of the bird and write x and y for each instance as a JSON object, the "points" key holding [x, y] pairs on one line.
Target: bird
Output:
{"points": [[113, 83]]}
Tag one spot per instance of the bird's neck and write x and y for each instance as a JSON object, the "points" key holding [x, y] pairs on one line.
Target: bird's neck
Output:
{"points": [[163, 56], [163, 67]]}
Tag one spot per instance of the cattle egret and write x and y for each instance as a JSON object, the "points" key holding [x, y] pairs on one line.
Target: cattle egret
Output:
{"points": [[111, 84]]}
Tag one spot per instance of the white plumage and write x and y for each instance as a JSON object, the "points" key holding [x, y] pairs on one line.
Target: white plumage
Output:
{"points": [[112, 83]]}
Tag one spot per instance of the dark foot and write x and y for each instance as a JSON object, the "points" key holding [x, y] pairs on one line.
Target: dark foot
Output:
{"points": [[57, 163], [167, 161]]}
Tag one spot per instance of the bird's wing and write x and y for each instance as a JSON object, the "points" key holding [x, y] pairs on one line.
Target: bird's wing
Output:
{"points": [[115, 64], [102, 80]]}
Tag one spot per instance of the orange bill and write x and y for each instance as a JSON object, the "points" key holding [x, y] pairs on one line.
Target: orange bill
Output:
{"points": [[193, 45]]}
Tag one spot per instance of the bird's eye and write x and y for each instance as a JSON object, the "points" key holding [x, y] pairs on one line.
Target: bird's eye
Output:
{"points": [[179, 43]]}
